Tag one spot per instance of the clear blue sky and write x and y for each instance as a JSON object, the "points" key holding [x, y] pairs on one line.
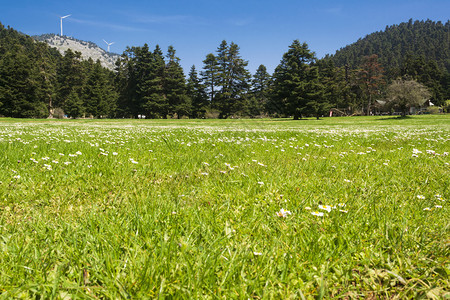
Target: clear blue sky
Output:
{"points": [[263, 29]]}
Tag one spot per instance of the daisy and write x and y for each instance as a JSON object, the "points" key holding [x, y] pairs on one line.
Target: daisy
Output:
{"points": [[316, 213], [325, 207], [283, 213]]}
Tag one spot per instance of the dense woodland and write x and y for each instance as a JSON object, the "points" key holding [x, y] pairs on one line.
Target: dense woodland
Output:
{"points": [[37, 82]]}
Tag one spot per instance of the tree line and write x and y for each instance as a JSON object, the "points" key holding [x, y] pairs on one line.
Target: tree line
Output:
{"points": [[37, 82]]}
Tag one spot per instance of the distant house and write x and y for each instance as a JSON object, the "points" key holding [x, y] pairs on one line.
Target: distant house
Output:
{"points": [[381, 108]]}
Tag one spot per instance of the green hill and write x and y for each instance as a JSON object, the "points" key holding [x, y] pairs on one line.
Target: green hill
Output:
{"points": [[427, 39]]}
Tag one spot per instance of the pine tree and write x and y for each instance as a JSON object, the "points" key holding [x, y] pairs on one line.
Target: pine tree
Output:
{"points": [[197, 94], [260, 91], [210, 76], [97, 100], [74, 107], [175, 86], [337, 87], [126, 80], [318, 103], [145, 79], [296, 85], [45, 75], [17, 87], [233, 80], [154, 100], [428, 73], [70, 77]]}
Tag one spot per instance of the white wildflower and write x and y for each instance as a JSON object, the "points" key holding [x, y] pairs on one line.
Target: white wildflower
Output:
{"points": [[325, 207], [316, 213], [283, 213]]}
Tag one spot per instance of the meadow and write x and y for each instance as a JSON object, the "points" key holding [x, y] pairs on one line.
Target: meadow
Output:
{"points": [[338, 208]]}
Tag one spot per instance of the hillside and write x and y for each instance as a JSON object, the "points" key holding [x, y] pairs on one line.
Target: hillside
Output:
{"points": [[417, 38], [87, 49]]}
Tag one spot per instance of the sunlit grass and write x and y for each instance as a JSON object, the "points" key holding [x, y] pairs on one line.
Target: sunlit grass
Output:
{"points": [[197, 208]]}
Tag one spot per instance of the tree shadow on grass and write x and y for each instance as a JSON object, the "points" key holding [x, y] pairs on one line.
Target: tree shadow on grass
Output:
{"points": [[291, 119], [394, 118]]}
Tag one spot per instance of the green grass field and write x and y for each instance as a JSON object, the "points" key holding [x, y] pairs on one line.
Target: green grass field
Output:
{"points": [[338, 208]]}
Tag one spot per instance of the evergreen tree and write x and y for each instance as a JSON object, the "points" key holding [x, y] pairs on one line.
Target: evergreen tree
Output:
{"points": [[70, 77], [98, 102], [155, 102], [45, 74], [197, 94], [428, 73], [260, 91], [125, 81], [297, 89], [319, 102], [17, 88], [24, 65], [210, 76], [233, 84], [145, 81], [337, 86], [175, 86], [74, 107]]}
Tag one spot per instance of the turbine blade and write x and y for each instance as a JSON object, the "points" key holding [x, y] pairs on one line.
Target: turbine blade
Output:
{"points": [[65, 16]]}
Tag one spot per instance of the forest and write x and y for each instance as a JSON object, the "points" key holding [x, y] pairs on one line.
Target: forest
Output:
{"points": [[38, 82]]}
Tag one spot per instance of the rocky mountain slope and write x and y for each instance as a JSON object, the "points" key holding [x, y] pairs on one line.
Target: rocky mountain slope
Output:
{"points": [[87, 49]]}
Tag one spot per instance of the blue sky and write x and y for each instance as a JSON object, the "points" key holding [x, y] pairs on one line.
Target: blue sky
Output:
{"points": [[262, 29]]}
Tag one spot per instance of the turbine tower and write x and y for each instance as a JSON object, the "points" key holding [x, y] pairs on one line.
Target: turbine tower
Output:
{"points": [[61, 23], [109, 44]]}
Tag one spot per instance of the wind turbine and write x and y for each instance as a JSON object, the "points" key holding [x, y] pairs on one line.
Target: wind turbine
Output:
{"points": [[61, 23], [109, 44]]}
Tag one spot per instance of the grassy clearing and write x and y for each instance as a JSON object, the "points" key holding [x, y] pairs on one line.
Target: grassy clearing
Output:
{"points": [[225, 209]]}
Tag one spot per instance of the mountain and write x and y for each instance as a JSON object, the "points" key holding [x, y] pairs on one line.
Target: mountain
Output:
{"points": [[87, 49], [427, 39]]}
